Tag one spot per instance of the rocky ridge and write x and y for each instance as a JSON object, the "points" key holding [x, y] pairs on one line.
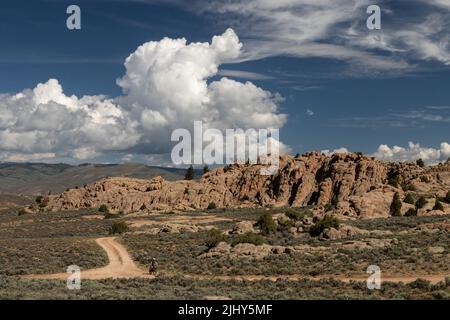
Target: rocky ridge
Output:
{"points": [[348, 183]]}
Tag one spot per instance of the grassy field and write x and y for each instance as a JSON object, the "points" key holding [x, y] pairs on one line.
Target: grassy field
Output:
{"points": [[49, 242], [178, 289]]}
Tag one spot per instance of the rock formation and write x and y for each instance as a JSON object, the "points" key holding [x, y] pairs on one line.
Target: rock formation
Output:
{"points": [[349, 183]]}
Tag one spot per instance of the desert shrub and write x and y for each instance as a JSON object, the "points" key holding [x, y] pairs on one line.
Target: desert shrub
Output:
{"points": [[298, 215], [214, 238], [109, 215], [420, 163], [425, 179], [396, 205], [212, 205], [327, 222], [249, 237], [447, 197], [285, 224], [409, 199], [329, 207], [421, 202], [411, 213], [39, 199], [438, 206], [266, 223], [119, 228], [420, 284], [103, 208]]}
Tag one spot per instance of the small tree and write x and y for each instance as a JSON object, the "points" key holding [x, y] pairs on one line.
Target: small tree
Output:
{"points": [[438, 206], [420, 163], [266, 223], [409, 199], [189, 174], [119, 228], [211, 206], [421, 202], [411, 213], [447, 197], [396, 205], [205, 169], [103, 208]]}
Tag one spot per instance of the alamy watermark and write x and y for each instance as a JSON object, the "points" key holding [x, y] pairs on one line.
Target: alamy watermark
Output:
{"points": [[374, 280], [374, 20], [74, 278], [73, 22], [212, 147]]}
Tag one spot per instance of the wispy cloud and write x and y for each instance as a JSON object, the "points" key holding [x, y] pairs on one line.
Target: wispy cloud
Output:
{"points": [[422, 117], [243, 74], [412, 30]]}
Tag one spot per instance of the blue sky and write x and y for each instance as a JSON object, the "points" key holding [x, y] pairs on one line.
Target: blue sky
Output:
{"points": [[342, 85]]}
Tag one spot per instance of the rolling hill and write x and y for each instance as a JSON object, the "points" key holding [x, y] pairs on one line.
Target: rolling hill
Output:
{"points": [[41, 178]]}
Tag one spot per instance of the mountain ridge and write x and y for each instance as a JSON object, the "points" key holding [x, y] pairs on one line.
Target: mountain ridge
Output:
{"points": [[42, 178]]}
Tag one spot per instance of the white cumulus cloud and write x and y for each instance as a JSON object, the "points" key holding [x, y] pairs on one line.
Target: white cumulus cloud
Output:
{"points": [[166, 86], [413, 152]]}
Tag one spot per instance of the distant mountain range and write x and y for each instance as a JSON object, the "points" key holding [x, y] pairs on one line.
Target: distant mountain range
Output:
{"points": [[41, 178]]}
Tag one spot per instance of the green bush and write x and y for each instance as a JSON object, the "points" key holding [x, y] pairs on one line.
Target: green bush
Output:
{"points": [[420, 163], [212, 206], [249, 237], [298, 215], [327, 222], [438, 206], [109, 215], [396, 206], [214, 238], [119, 228], [421, 202], [266, 223], [411, 213], [409, 199], [447, 197], [103, 208]]}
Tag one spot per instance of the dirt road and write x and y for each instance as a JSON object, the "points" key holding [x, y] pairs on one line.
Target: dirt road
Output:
{"points": [[121, 265]]}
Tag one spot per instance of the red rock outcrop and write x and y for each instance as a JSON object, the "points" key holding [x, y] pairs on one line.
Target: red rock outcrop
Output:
{"points": [[355, 184]]}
